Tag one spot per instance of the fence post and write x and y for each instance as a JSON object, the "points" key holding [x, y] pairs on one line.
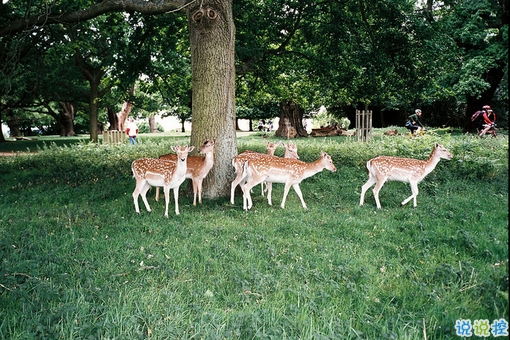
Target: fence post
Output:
{"points": [[113, 137], [363, 125]]}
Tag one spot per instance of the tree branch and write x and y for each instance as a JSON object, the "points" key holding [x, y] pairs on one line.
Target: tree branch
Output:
{"points": [[106, 6]]}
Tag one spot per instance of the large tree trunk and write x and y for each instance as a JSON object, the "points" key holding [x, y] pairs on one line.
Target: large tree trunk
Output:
{"points": [[212, 38], [291, 121], [66, 119], [93, 76], [113, 119], [13, 123], [152, 124], [124, 113]]}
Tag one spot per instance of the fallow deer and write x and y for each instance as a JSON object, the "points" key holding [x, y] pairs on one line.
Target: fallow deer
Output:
{"points": [[238, 161], [160, 173], [289, 171], [413, 171], [197, 168]]}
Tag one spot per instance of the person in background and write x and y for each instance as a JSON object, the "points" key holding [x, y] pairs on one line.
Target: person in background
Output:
{"points": [[414, 124], [132, 131], [488, 122], [261, 125]]}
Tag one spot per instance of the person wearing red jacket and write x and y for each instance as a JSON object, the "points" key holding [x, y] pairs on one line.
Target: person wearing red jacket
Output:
{"points": [[132, 131], [488, 122]]}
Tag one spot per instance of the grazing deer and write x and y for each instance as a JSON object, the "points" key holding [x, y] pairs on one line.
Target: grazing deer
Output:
{"points": [[160, 173], [383, 168], [197, 168], [281, 170]]}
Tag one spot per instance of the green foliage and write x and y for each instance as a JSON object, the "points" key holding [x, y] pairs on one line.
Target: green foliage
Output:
{"points": [[77, 262], [144, 127]]}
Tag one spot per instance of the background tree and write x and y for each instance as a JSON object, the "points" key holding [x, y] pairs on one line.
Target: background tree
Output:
{"points": [[344, 55]]}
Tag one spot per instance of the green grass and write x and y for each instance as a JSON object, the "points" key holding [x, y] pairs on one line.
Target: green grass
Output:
{"points": [[78, 263]]}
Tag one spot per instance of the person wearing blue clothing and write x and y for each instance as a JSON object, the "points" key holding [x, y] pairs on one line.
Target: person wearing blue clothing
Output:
{"points": [[132, 131]]}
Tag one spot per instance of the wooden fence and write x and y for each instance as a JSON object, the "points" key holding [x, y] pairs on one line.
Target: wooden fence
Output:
{"points": [[363, 125], [113, 137]]}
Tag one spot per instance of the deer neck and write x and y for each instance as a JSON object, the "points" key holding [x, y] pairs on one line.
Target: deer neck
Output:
{"points": [[180, 169], [431, 162], [312, 168], [208, 160]]}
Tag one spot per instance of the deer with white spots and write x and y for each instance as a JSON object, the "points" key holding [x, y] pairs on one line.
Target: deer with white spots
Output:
{"points": [[160, 173], [197, 168], [413, 171], [239, 160], [289, 171]]}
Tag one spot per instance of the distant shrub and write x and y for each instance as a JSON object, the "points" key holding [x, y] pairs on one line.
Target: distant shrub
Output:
{"points": [[144, 127]]}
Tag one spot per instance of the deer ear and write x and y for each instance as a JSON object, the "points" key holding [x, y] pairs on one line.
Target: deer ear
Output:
{"points": [[436, 144], [191, 148]]}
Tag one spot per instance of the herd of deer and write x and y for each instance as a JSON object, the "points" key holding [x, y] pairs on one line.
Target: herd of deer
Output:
{"points": [[252, 168]]}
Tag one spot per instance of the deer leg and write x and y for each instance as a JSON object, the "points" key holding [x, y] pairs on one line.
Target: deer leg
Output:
{"points": [[157, 194], [176, 199], [247, 203], [285, 193], [376, 190], [136, 193], [246, 190], [197, 190], [143, 192], [269, 187], [297, 189], [166, 191], [414, 189], [371, 181], [235, 182]]}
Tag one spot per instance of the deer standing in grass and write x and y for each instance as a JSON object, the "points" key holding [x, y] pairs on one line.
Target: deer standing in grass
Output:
{"points": [[197, 168], [413, 171], [289, 171], [160, 173], [239, 160]]}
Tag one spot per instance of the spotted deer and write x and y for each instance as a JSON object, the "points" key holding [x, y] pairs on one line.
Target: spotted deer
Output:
{"points": [[290, 152], [197, 168], [289, 171], [413, 171], [160, 173], [238, 161]]}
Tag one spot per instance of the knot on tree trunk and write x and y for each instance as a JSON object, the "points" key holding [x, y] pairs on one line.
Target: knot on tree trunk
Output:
{"points": [[204, 17]]}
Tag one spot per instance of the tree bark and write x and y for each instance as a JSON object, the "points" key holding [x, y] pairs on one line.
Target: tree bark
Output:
{"points": [[66, 119], [124, 113], [291, 121], [93, 76], [113, 119], [212, 38], [13, 124], [152, 124]]}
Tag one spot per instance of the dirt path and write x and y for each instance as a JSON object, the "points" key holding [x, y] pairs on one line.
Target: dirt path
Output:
{"points": [[12, 153]]}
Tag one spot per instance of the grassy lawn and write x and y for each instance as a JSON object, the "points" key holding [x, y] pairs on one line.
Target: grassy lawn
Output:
{"points": [[77, 262]]}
